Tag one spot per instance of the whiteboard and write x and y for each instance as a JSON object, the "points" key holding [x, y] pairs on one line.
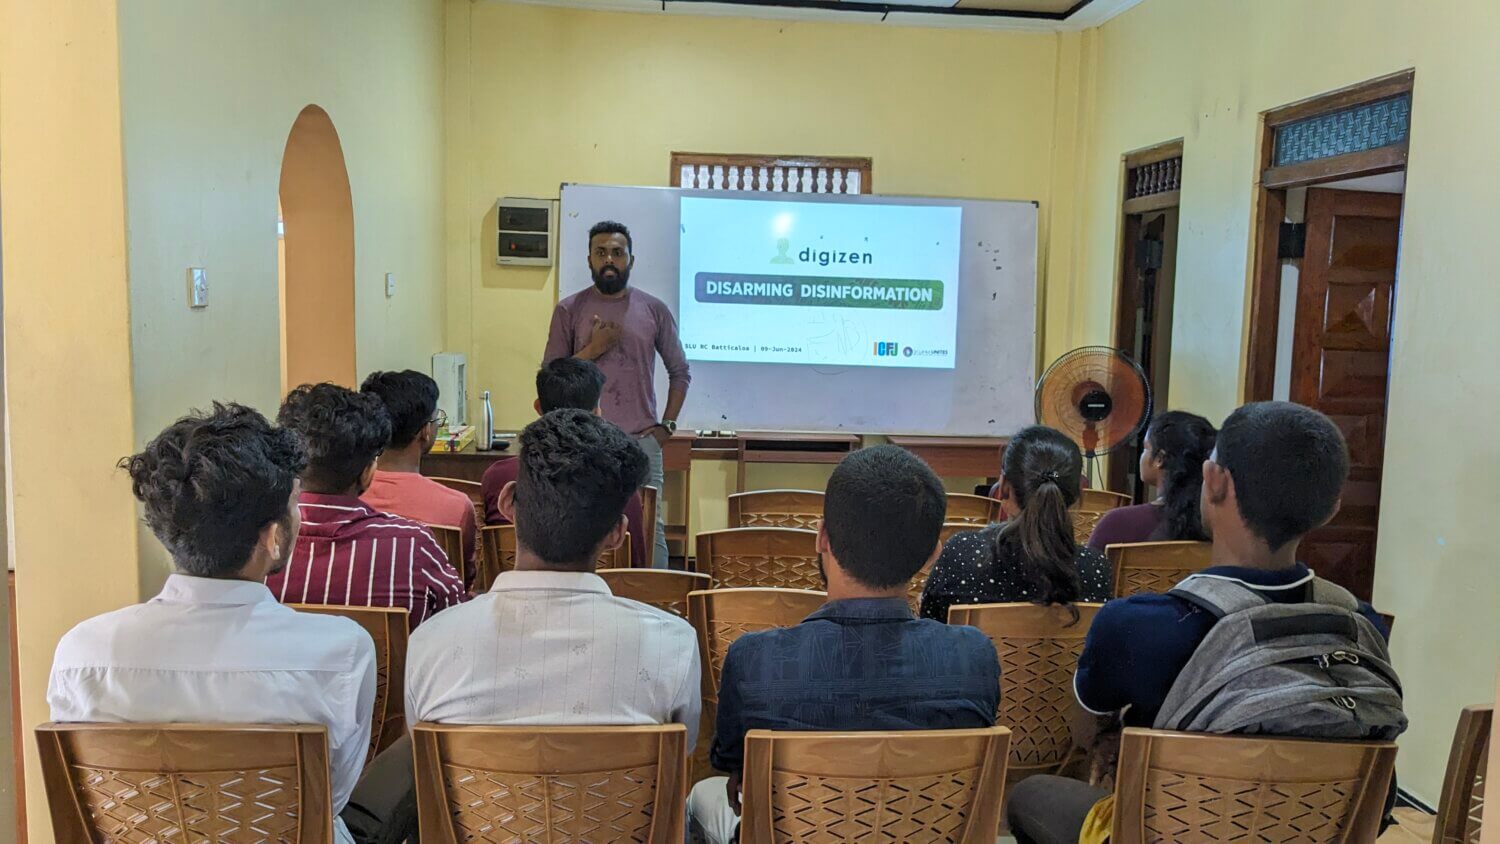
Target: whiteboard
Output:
{"points": [[987, 393]]}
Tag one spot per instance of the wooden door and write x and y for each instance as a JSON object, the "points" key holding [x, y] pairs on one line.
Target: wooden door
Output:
{"points": [[1143, 325], [1341, 361]]}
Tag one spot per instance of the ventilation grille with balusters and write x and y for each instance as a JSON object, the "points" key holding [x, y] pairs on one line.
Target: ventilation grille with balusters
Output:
{"points": [[1154, 178], [771, 174]]}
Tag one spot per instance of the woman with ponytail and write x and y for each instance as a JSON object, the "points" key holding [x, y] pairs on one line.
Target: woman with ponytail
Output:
{"points": [[1032, 555], [1177, 443]]}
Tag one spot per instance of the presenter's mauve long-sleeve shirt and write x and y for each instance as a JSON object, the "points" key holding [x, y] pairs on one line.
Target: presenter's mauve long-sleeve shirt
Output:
{"points": [[647, 329]]}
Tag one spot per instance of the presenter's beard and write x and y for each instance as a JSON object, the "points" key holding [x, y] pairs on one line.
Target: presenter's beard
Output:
{"points": [[611, 280]]}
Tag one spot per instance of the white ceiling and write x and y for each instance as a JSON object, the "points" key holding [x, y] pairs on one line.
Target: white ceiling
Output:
{"points": [[1091, 15]]}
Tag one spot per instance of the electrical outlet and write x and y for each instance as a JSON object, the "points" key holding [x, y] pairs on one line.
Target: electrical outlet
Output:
{"points": [[197, 287], [390, 285]]}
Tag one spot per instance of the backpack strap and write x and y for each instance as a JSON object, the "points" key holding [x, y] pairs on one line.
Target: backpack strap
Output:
{"points": [[1217, 596], [1324, 592]]}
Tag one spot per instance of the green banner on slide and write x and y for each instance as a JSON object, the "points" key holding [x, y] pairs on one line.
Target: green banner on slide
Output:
{"points": [[819, 292]]}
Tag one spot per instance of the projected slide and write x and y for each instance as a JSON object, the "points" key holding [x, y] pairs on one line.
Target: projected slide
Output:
{"points": [[819, 282]]}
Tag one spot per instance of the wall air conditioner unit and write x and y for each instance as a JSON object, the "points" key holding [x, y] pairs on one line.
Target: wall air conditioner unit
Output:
{"points": [[527, 232], [450, 371]]}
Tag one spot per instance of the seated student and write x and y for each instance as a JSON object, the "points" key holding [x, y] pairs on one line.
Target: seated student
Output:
{"points": [[1032, 555], [410, 399], [220, 492], [549, 644], [1276, 474], [861, 662], [348, 552], [1177, 443], [564, 382]]}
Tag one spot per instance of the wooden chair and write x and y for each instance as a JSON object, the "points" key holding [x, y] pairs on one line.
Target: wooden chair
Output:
{"points": [[1461, 806], [1084, 522], [929, 785], [760, 556], [451, 540], [972, 509], [551, 784], [1038, 647], [948, 529], [474, 490], [1091, 507], [497, 552], [1197, 787], [1155, 566], [661, 588], [1101, 500], [188, 782], [787, 508], [387, 628], [720, 616]]}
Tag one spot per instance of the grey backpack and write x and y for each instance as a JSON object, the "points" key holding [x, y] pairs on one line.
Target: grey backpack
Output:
{"points": [[1316, 669]]}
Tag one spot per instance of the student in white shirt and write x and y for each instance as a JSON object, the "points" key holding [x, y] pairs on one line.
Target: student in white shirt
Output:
{"points": [[549, 644], [220, 492]]}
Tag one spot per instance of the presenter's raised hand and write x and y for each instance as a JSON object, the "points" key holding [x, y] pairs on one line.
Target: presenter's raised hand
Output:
{"points": [[605, 336]]}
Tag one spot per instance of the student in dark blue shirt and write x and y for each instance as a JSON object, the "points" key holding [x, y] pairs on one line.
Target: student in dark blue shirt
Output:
{"points": [[1276, 474], [862, 661]]}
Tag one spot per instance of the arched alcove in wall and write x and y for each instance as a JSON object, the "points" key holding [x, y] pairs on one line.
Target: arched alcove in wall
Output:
{"points": [[316, 255]]}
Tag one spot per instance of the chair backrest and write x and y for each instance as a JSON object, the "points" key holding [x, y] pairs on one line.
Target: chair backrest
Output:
{"points": [[551, 784], [789, 508], [1155, 566], [720, 616], [1101, 500], [946, 532], [760, 556], [473, 489], [650, 500], [928, 785], [1084, 522], [451, 540], [973, 509], [387, 628], [1461, 806], [187, 782], [1195, 787], [1038, 647], [661, 588], [497, 553]]}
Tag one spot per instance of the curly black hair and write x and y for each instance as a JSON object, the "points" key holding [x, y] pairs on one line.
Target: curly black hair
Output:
{"points": [[883, 510], [343, 432], [577, 473], [212, 481], [410, 397]]}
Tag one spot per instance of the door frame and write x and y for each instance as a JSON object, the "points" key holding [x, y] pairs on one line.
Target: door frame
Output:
{"points": [[1133, 210], [1271, 185]]}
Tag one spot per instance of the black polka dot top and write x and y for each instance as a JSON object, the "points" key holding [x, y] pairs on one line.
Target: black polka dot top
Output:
{"points": [[970, 572]]}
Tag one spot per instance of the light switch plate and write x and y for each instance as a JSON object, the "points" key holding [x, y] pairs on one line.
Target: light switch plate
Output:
{"points": [[390, 285], [197, 287]]}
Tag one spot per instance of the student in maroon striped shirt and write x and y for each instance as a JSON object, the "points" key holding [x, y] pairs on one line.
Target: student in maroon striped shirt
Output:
{"points": [[348, 553]]}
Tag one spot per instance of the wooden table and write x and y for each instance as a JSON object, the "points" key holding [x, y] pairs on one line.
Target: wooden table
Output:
{"points": [[466, 465], [957, 457], [783, 447]]}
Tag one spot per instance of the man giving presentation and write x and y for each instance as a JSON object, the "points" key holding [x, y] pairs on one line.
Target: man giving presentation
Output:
{"points": [[622, 330]]}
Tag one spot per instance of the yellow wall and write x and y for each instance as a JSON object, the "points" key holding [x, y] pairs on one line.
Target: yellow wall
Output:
{"points": [[1203, 70], [67, 340], [537, 96], [209, 90]]}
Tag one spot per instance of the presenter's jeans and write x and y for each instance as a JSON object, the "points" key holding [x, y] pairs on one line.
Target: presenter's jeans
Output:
{"points": [[657, 478]]}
